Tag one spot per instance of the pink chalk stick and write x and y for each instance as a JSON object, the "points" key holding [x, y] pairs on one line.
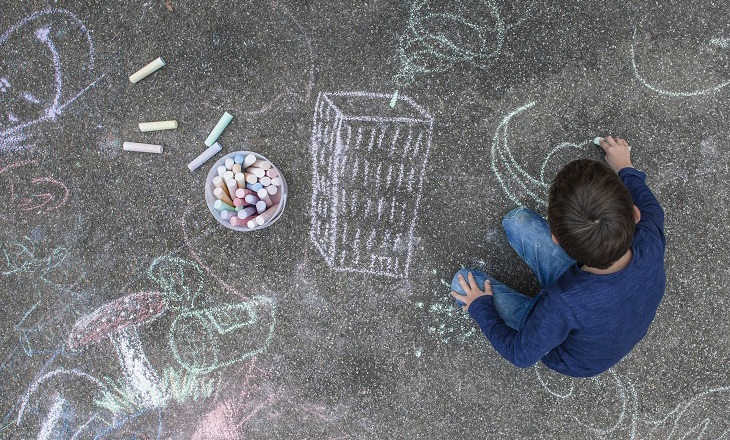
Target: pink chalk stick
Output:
{"points": [[238, 202], [271, 189], [272, 172], [235, 221]]}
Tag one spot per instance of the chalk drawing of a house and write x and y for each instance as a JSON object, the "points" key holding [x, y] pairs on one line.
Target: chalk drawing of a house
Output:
{"points": [[368, 162]]}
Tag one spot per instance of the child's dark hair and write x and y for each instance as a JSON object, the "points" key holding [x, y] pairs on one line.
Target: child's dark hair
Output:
{"points": [[591, 213]]}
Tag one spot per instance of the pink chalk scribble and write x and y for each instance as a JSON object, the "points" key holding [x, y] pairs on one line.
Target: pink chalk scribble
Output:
{"points": [[232, 413], [129, 311], [35, 194]]}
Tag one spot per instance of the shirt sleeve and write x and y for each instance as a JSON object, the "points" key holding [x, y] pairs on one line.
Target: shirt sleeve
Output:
{"points": [[644, 199], [547, 328]]}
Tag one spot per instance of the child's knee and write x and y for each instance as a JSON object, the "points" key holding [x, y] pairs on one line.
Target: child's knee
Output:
{"points": [[455, 284], [513, 218]]}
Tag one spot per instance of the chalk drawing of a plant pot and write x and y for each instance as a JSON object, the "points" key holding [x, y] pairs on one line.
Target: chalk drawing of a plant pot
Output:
{"points": [[119, 321], [208, 339], [35, 84]]}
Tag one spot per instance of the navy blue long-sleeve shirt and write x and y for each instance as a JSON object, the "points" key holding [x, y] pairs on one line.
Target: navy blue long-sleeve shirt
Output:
{"points": [[585, 323]]}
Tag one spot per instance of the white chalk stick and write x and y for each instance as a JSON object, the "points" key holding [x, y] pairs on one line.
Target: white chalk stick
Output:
{"points": [[264, 197], [263, 164], [232, 187], [258, 172], [147, 70], [250, 178], [240, 180], [158, 125], [248, 161], [229, 164], [261, 206], [598, 140], [218, 129], [142, 148], [272, 189], [204, 156]]}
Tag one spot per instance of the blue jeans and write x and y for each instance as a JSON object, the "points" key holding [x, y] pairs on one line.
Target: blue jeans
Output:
{"points": [[528, 233]]}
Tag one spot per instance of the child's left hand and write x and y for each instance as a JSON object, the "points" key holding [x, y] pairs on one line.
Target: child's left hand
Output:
{"points": [[472, 291]]}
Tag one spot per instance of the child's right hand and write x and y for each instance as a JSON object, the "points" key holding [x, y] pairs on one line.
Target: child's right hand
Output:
{"points": [[618, 153]]}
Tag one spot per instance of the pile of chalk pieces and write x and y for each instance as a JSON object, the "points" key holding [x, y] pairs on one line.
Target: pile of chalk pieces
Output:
{"points": [[247, 190]]}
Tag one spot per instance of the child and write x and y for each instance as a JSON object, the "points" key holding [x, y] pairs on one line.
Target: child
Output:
{"points": [[600, 262]]}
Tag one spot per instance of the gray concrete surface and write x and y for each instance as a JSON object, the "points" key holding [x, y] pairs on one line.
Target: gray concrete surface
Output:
{"points": [[266, 336]]}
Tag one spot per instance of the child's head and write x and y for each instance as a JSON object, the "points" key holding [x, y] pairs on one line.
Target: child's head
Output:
{"points": [[591, 213]]}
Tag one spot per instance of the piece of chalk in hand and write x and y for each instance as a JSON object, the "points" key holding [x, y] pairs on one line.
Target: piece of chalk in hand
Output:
{"points": [[142, 148], [147, 70], [597, 141], [158, 125]]}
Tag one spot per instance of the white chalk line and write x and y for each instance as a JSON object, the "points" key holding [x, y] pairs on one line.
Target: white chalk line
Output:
{"points": [[500, 149], [661, 91], [61, 371], [421, 60], [54, 415], [13, 137], [139, 374], [508, 171], [629, 407], [42, 35]]}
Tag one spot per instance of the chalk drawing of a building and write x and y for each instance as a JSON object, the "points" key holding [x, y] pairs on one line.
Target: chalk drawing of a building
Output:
{"points": [[369, 162]]}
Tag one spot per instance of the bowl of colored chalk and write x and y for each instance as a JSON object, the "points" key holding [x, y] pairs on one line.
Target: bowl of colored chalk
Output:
{"points": [[245, 191]]}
